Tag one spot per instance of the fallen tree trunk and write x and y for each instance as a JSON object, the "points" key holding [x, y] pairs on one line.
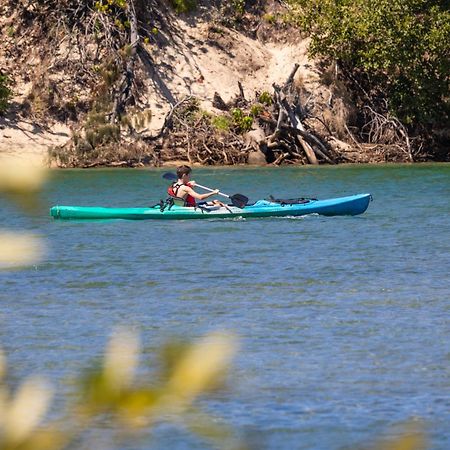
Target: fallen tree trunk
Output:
{"points": [[287, 102]]}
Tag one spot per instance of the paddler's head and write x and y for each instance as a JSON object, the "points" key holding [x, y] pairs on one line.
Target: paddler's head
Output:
{"points": [[183, 173]]}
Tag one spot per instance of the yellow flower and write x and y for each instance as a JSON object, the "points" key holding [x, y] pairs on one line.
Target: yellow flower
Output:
{"points": [[20, 176], [19, 249], [202, 365], [409, 437], [121, 359], [24, 412]]}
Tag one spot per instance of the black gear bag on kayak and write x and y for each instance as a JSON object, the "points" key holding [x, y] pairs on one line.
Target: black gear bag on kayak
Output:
{"points": [[289, 201]]}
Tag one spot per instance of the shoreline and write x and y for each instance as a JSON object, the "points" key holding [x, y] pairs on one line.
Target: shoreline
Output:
{"points": [[267, 166], [22, 138]]}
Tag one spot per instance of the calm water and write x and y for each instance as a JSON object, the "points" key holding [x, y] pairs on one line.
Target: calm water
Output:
{"points": [[343, 322]]}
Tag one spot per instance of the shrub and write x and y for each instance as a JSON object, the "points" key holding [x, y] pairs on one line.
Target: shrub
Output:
{"points": [[256, 110], [269, 18], [242, 121], [265, 98], [183, 6], [5, 92], [239, 6], [396, 49], [221, 123]]}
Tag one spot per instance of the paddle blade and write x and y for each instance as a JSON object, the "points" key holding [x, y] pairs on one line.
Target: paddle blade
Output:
{"points": [[170, 176], [239, 200]]}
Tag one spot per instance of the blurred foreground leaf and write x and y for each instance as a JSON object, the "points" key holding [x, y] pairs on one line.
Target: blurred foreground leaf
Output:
{"points": [[410, 437], [25, 410], [19, 249], [112, 387], [115, 391], [21, 176], [200, 367], [22, 179]]}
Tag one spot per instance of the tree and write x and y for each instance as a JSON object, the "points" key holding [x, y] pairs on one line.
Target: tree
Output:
{"points": [[396, 50]]}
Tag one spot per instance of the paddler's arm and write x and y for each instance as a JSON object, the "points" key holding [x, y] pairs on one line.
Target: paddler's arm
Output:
{"points": [[198, 196]]}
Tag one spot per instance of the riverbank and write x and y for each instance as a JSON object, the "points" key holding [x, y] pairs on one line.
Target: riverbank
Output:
{"points": [[205, 61], [25, 138], [238, 80]]}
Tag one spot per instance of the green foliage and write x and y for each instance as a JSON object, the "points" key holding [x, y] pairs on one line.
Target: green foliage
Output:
{"points": [[242, 121], [397, 47], [107, 6], [256, 110], [183, 6], [232, 13], [103, 134], [109, 73], [99, 131], [239, 6], [269, 18], [246, 124], [136, 119], [221, 123], [265, 98], [5, 92], [115, 9]]}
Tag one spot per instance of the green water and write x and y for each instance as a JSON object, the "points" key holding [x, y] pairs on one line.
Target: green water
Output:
{"points": [[343, 321]]}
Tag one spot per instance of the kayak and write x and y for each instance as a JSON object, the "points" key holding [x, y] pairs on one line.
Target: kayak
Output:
{"points": [[351, 205]]}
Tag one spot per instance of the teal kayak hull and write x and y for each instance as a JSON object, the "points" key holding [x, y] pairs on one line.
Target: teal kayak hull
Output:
{"points": [[351, 205]]}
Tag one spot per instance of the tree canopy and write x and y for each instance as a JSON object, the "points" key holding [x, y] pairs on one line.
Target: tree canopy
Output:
{"points": [[398, 49]]}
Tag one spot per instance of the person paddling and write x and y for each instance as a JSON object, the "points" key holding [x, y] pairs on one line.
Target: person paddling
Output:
{"points": [[182, 188]]}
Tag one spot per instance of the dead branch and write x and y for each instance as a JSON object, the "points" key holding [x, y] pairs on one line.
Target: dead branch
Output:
{"points": [[125, 84], [288, 111], [291, 76], [168, 123], [386, 129]]}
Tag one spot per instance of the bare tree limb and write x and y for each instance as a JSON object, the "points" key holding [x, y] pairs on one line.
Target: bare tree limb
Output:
{"points": [[127, 77]]}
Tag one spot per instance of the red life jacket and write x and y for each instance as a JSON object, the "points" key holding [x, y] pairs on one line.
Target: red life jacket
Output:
{"points": [[173, 191]]}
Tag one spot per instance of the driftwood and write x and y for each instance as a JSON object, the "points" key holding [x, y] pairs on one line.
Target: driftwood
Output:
{"points": [[219, 103], [188, 135], [297, 125], [388, 130], [283, 128], [290, 133], [283, 137]]}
